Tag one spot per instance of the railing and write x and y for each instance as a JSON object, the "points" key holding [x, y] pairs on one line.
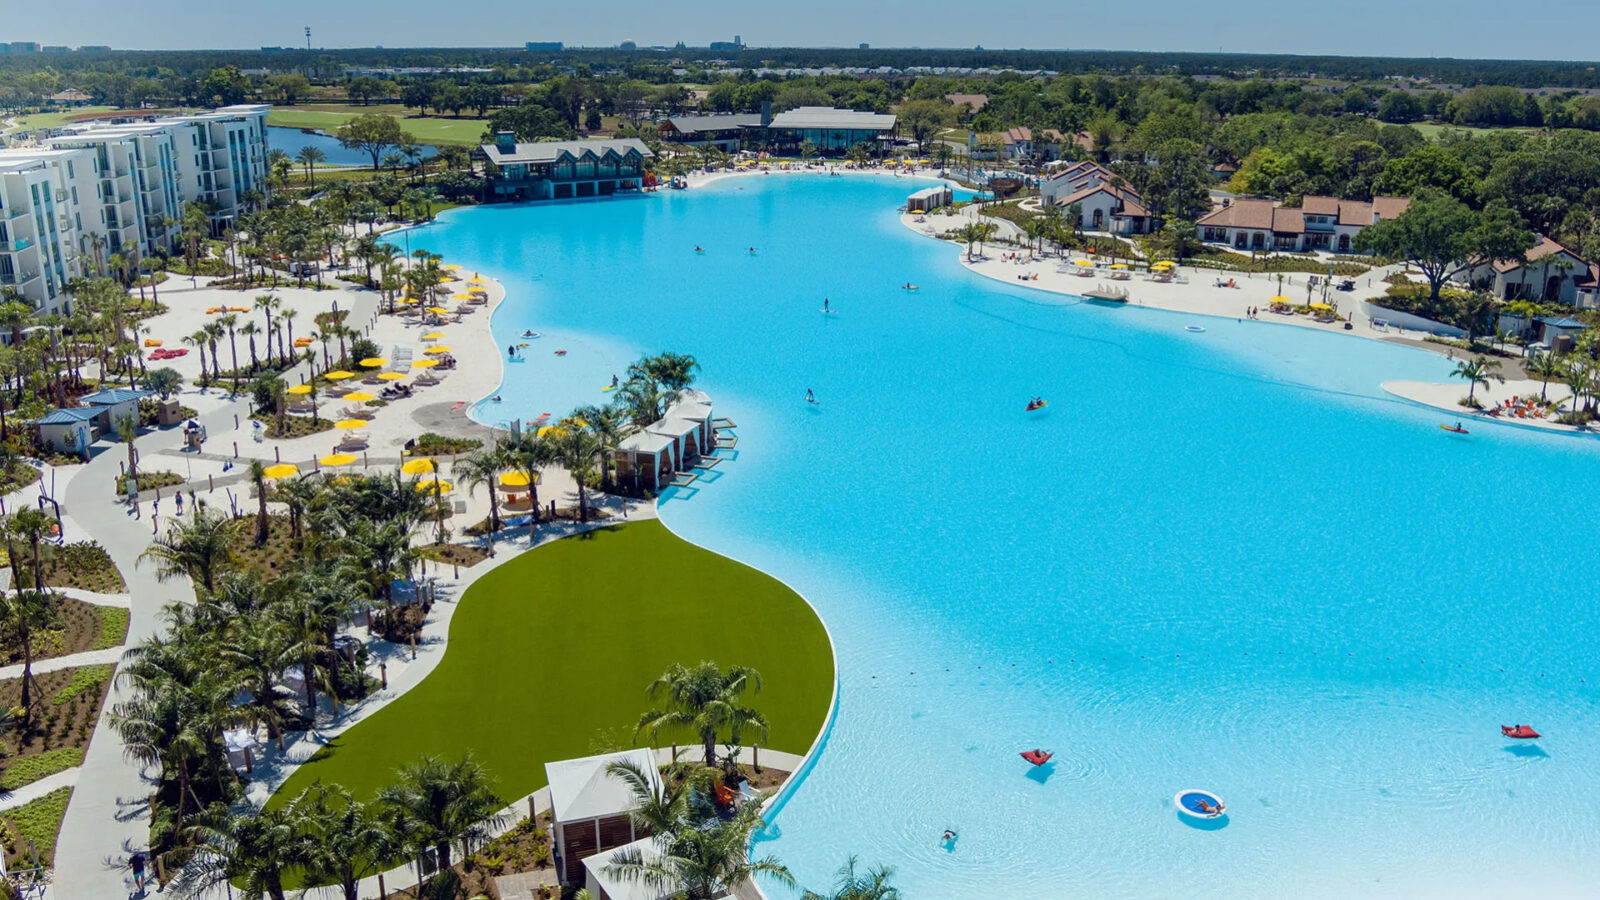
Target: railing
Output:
{"points": [[14, 212], [17, 278], [15, 246]]}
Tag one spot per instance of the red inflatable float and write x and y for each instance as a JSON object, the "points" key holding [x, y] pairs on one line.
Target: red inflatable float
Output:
{"points": [[1521, 732], [1037, 757]]}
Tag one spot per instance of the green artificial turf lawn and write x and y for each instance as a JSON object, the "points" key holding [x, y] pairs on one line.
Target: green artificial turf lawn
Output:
{"points": [[465, 131], [556, 646]]}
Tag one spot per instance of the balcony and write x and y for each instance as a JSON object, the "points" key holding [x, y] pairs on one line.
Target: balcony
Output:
{"points": [[18, 279], [14, 212], [15, 246]]}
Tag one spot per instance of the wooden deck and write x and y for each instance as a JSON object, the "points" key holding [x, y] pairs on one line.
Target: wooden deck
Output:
{"points": [[684, 479]]}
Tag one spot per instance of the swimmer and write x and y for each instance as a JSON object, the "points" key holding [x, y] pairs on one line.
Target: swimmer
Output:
{"points": [[825, 305], [495, 399], [949, 836], [699, 249], [810, 397], [613, 381]]}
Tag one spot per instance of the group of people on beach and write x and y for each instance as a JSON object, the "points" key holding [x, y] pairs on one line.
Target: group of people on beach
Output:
{"points": [[1250, 312]]}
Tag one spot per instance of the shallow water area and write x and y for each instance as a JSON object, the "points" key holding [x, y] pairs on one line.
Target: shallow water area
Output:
{"points": [[1221, 560]]}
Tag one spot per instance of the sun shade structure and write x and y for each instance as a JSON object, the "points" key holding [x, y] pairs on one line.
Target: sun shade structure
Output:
{"points": [[442, 348], [437, 310], [1280, 299], [339, 375], [424, 364], [282, 470], [431, 484], [337, 459], [372, 362], [515, 480], [433, 336], [350, 424], [391, 376], [1082, 262], [450, 267], [422, 466], [359, 396], [299, 389], [556, 430]]}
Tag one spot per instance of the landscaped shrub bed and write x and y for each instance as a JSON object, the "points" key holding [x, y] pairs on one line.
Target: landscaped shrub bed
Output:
{"points": [[38, 822]]}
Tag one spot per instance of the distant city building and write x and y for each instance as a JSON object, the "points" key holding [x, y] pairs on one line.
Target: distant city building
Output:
{"points": [[565, 170], [104, 189], [543, 45], [56, 48], [864, 46], [735, 45], [627, 45], [20, 47], [393, 71], [95, 48]]}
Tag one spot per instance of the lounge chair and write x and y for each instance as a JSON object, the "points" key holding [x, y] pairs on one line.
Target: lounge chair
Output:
{"points": [[358, 411]]}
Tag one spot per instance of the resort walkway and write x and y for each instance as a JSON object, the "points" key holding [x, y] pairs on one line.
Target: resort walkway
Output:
{"points": [[108, 817], [57, 663]]}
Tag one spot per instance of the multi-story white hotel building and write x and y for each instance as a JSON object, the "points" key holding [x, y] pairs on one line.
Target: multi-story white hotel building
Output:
{"points": [[105, 189]]}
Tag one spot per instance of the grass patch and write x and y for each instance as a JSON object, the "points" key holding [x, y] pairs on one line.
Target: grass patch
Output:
{"points": [[465, 131], [149, 480], [58, 117], [558, 644], [38, 822], [83, 564], [430, 444], [84, 678], [113, 627], [19, 475], [29, 769], [294, 426]]}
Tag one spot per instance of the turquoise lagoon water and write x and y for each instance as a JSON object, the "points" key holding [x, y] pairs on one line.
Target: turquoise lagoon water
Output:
{"points": [[1222, 560]]}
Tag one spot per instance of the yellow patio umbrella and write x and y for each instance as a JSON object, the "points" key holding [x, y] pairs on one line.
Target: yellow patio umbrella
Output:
{"points": [[476, 280], [1164, 264], [339, 375], [407, 301], [552, 429], [350, 424], [427, 484], [437, 310], [451, 267], [460, 296], [282, 470], [515, 480], [391, 376], [372, 362], [1280, 299], [424, 364], [420, 466], [1082, 262], [1119, 266], [442, 348], [914, 212], [1322, 306], [338, 459], [299, 389], [433, 336], [359, 396]]}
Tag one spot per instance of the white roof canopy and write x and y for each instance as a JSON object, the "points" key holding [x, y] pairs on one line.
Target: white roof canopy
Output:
{"points": [[581, 789]]}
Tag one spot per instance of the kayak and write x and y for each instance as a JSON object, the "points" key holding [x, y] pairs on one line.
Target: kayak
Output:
{"points": [[1455, 429], [1037, 406]]}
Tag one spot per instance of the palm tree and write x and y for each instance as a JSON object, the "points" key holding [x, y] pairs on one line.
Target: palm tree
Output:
{"points": [[578, 450], [230, 322], [1478, 370], [197, 549], [319, 600], [1545, 367], [659, 804], [250, 330], [309, 157], [253, 653], [484, 468], [872, 884], [267, 303], [347, 839], [434, 804], [607, 424], [705, 700], [253, 849], [287, 316], [1576, 377], [258, 477], [31, 525], [700, 863], [22, 614], [527, 455]]}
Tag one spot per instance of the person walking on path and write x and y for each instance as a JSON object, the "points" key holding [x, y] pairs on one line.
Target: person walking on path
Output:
{"points": [[136, 863]]}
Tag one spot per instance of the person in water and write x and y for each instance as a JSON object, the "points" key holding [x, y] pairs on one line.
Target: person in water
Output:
{"points": [[825, 304], [810, 397], [495, 398], [949, 836], [613, 380]]}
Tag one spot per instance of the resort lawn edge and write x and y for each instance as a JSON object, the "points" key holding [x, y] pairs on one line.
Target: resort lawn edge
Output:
{"points": [[549, 655]]}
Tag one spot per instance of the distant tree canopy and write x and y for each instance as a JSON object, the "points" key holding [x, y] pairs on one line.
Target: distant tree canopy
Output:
{"points": [[1440, 235]]}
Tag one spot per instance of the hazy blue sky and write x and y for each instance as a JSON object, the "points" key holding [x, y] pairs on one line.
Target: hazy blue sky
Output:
{"points": [[1543, 29]]}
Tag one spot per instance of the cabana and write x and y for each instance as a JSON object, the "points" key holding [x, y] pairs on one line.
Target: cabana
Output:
{"points": [[590, 807], [647, 457], [604, 886], [685, 435], [929, 199]]}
